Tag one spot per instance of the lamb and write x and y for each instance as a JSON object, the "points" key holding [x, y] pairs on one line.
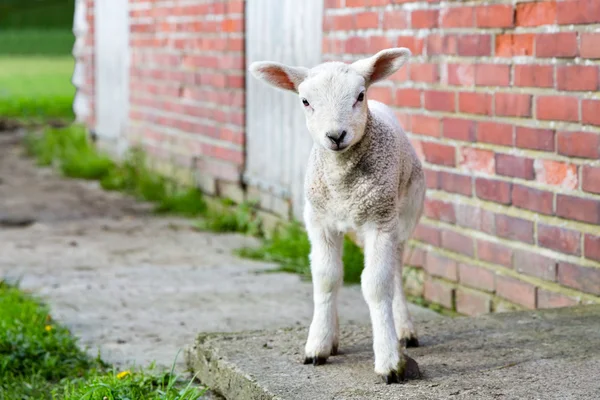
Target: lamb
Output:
{"points": [[363, 175]]}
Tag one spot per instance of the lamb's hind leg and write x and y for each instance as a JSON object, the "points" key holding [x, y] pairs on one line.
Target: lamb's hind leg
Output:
{"points": [[327, 275], [404, 325]]}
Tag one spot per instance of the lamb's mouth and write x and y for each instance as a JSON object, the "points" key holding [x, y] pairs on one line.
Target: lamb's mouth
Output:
{"points": [[340, 148]]}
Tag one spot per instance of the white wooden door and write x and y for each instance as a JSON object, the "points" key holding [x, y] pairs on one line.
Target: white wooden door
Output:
{"points": [[278, 143], [111, 68]]}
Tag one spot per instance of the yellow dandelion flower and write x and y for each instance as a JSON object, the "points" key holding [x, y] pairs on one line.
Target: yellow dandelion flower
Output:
{"points": [[48, 328], [123, 374]]}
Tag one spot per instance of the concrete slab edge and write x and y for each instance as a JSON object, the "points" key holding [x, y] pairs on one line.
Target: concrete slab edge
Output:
{"points": [[221, 376]]}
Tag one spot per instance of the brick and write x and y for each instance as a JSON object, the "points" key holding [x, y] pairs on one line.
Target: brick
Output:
{"points": [[590, 112], [535, 139], [396, 19], [517, 291], [514, 166], [579, 144], [472, 303], [492, 75], [436, 100], [424, 72], [534, 75], [536, 14], [514, 228], [494, 16], [432, 178], [439, 293], [474, 45], [493, 190], [510, 45], [532, 199], [577, 77], [424, 125], [458, 243], [455, 183], [415, 257], [381, 93], [475, 218], [441, 44], [416, 45], [579, 209], [339, 22], [562, 44], [590, 177], [586, 279], [475, 103], [589, 45], [477, 160], [491, 132], [559, 239], [578, 12], [591, 247], [536, 265], [377, 43], [367, 20], [437, 153], [439, 210], [356, 45], [476, 277], [457, 17], [556, 173], [512, 104], [408, 98], [547, 299], [460, 74], [424, 19], [558, 108], [428, 234], [441, 266], [494, 253], [459, 129]]}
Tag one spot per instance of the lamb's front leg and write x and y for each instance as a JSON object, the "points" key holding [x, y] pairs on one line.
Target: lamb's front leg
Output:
{"points": [[404, 326], [381, 259], [327, 275]]}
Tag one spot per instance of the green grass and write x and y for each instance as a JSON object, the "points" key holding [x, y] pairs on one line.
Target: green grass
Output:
{"points": [[228, 217], [290, 247], [36, 42], [40, 359], [36, 87], [71, 152], [38, 14]]}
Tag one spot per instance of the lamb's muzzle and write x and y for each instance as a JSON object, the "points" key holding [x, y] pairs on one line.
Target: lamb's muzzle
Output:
{"points": [[363, 175]]}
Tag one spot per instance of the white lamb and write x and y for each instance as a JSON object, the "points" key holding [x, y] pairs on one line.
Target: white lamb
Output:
{"points": [[363, 175]]}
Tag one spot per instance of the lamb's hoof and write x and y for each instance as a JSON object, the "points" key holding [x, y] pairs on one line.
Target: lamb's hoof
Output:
{"points": [[334, 350], [410, 370], [412, 341], [392, 377], [315, 360]]}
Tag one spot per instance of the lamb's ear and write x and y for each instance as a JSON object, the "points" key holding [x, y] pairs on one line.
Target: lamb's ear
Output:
{"points": [[382, 64], [279, 75]]}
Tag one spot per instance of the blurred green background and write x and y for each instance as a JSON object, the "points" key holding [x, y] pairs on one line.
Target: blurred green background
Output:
{"points": [[36, 65]]}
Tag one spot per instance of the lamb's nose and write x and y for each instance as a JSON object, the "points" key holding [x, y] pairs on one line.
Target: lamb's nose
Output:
{"points": [[336, 137]]}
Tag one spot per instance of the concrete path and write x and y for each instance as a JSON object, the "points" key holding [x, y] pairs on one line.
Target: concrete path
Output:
{"points": [[137, 287], [545, 355]]}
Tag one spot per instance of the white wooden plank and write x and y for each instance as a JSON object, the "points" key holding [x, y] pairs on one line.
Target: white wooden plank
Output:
{"points": [[278, 143]]}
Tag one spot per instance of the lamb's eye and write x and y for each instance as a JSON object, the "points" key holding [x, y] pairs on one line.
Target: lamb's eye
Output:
{"points": [[361, 96], [305, 102]]}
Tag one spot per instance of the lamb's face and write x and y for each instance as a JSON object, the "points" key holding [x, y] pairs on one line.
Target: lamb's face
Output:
{"points": [[333, 95], [334, 100]]}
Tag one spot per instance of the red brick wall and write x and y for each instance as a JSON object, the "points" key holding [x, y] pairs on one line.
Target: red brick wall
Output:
{"points": [[501, 102], [187, 84]]}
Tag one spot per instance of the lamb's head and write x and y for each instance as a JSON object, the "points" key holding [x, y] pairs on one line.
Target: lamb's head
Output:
{"points": [[333, 95]]}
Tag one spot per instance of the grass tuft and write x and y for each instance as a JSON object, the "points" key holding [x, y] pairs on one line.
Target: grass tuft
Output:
{"points": [[227, 217], [290, 247], [40, 359]]}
